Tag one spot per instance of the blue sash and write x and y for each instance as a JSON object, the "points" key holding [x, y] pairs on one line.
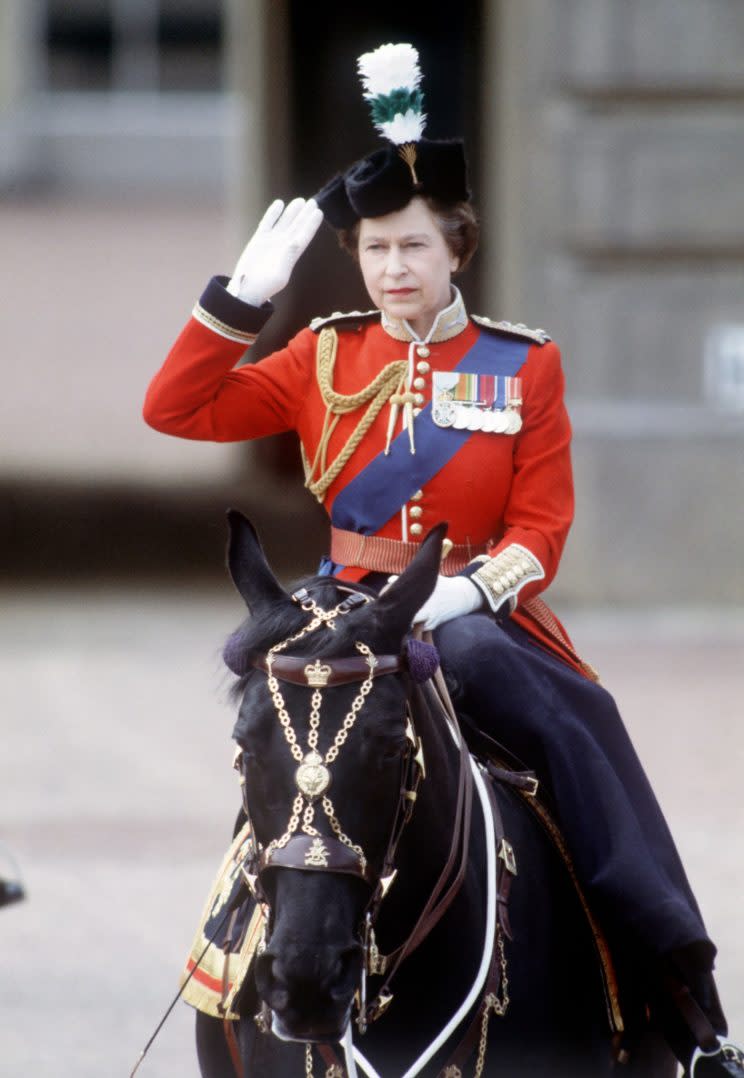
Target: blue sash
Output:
{"points": [[388, 482]]}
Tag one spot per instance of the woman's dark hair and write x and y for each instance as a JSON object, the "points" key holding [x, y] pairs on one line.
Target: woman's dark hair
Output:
{"points": [[458, 224]]}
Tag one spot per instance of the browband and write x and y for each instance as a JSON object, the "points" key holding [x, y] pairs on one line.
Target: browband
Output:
{"points": [[319, 673]]}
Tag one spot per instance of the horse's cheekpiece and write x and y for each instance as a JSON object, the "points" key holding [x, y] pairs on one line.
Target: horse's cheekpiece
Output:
{"points": [[477, 402]]}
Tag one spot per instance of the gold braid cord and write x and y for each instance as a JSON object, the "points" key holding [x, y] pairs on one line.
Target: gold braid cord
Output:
{"points": [[375, 396]]}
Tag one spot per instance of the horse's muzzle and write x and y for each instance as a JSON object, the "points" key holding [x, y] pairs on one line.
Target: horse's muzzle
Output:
{"points": [[309, 992]]}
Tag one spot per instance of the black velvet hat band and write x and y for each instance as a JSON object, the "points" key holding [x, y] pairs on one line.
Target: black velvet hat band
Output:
{"points": [[384, 182]]}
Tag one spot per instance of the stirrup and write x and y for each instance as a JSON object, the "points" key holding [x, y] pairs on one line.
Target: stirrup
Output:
{"points": [[729, 1059]]}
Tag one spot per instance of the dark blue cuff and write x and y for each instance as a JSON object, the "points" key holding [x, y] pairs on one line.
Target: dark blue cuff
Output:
{"points": [[232, 312], [470, 569]]}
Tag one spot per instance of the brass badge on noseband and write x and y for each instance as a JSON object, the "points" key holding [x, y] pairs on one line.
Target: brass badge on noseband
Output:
{"points": [[317, 855]]}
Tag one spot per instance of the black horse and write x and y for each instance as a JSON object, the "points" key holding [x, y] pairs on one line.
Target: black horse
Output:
{"points": [[373, 833]]}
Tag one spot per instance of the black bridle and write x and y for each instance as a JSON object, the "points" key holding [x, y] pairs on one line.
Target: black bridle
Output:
{"points": [[327, 853]]}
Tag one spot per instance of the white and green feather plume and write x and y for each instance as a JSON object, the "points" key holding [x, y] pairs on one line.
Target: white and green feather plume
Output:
{"points": [[391, 77]]}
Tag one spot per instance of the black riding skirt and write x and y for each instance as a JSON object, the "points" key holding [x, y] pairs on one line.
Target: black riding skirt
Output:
{"points": [[568, 729]]}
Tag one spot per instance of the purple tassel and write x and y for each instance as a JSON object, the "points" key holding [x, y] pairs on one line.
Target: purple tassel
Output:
{"points": [[234, 654], [423, 659]]}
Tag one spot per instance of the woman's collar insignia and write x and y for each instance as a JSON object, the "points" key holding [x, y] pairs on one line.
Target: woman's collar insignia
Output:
{"points": [[449, 322]]}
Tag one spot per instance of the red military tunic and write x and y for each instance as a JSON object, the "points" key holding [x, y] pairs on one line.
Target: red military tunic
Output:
{"points": [[498, 492]]}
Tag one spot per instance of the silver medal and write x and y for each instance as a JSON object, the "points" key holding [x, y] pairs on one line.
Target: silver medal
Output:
{"points": [[462, 417], [443, 413], [475, 422], [514, 422]]}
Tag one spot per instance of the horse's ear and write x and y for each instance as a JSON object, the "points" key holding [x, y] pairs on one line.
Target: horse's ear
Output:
{"points": [[399, 603], [247, 563]]}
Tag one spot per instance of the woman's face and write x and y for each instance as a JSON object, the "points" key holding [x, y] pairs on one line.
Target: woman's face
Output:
{"points": [[406, 265]]}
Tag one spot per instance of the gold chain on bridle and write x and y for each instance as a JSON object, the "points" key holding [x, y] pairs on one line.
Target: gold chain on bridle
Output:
{"points": [[334, 1071], [303, 807], [383, 386], [493, 1005]]}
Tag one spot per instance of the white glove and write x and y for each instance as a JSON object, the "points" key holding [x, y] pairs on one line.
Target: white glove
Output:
{"points": [[266, 264], [452, 596]]}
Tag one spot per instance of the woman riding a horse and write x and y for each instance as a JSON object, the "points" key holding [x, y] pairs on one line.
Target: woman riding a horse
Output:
{"points": [[416, 412]]}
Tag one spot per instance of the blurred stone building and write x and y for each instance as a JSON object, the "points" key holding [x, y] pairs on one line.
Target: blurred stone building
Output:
{"points": [[140, 140]]}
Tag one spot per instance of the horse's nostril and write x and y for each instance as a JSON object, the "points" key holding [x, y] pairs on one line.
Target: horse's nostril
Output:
{"points": [[272, 987], [346, 972]]}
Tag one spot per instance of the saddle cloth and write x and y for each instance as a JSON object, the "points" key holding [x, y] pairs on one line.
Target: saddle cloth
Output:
{"points": [[229, 931]]}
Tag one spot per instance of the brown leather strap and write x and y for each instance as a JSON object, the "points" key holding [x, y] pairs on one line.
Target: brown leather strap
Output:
{"points": [[233, 1047], [309, 853], [330, 1058], [382, 555], [455, 866], [327, 672], [521, 780]]}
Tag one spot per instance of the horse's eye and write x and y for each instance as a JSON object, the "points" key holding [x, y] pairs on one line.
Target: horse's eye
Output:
{"points": [[392, 751], [386, 749]]}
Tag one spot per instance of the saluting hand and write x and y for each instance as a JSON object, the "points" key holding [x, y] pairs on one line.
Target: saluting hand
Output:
{"points": [[266, 264]]}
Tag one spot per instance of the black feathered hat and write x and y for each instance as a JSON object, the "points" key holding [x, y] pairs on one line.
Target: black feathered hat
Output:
{"points": [[387, 179]]}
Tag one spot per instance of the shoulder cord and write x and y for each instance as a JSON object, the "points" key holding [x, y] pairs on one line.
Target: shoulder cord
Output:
{"points": [[390, 380]]}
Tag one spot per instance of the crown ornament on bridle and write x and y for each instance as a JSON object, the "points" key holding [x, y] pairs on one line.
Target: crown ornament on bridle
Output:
{"points": [[317, 674]]}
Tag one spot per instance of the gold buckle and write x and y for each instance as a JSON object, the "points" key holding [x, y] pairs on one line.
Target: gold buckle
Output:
{"points": [[506, 853]]}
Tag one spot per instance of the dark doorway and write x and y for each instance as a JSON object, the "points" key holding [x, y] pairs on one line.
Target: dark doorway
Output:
{"points": [[330, 127]]}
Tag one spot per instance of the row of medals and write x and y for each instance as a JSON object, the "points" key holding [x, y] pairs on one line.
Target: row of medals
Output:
{"points": [[449, 413]]}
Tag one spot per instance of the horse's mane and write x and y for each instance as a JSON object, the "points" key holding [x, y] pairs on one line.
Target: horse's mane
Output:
{"points": [[261, 630]]}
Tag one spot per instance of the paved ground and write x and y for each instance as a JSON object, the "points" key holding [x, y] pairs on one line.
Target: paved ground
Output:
{"points": [[118, 798]]}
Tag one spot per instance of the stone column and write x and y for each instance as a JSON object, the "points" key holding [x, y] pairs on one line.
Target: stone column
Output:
{"points": [[256, 59], [21, 76]]}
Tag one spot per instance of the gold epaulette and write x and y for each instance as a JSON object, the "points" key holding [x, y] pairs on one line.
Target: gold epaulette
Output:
{"points": [[343, 316], [514, 329]]}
